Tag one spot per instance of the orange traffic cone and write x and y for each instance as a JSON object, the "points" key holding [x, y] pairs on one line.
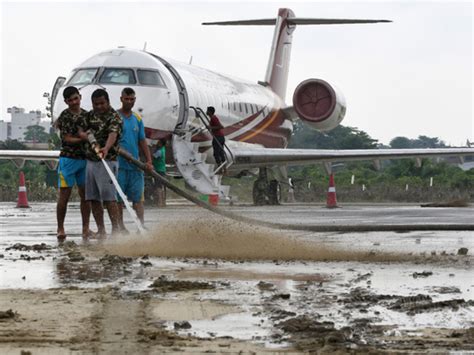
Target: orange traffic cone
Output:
{"points": [[22, 199], [331, 201]]}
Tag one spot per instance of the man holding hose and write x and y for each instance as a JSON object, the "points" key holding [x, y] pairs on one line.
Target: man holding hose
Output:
{"points": [[106, 126]]}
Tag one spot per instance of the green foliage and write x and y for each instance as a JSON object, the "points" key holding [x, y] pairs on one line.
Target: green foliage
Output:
{"points": [[390, 182], [341, 137], [36, 134], [420, 142], [39, 179], [12, 144]]}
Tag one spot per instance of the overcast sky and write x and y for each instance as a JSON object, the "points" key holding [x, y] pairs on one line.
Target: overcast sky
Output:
{"points": [[408, 78]]}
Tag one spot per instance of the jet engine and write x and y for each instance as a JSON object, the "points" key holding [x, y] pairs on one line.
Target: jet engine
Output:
{"points": [[318, 104]]}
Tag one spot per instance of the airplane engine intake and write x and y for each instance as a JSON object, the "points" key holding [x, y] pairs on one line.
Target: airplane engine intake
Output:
{"points": [[318, 104]]}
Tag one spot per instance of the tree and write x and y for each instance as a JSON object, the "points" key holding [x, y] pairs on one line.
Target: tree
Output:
{"points": [[400, 143], [420, 142], [36, 134], [12, 144], [341, 137]]}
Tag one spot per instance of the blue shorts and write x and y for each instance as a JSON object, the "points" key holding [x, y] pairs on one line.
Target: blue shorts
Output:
{"points": [[71, 171], [132, 183]]}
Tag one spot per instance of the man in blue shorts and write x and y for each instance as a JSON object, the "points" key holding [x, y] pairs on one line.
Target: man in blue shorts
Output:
{"points": [[130, 177], [72, 160]]}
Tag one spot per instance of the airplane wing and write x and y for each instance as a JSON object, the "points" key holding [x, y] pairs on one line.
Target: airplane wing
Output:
{"points": [[18, 157], [30, 154], [253, 157], [257, 157]]}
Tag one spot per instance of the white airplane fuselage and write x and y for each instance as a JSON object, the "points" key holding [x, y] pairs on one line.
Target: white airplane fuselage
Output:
{"points": [[249, 112]]}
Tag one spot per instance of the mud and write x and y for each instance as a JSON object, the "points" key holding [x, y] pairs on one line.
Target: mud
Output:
{"points": [[34, 247], [7, 315], [204, 286], [452, 203], [162, 284]]}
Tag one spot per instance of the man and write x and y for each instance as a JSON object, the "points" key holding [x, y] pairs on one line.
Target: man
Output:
{"points": [[218, 140], [105, 124], [159, 164], [131, 178], [72, 161]]}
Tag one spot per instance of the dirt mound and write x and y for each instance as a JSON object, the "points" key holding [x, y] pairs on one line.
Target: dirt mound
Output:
{"points": [[162, 284]]}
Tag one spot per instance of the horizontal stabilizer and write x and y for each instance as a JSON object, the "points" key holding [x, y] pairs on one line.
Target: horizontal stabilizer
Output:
{"points": [[261, 22], [293, 21]]}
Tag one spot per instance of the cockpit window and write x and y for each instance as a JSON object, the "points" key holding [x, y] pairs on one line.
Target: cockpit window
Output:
{"points": [[150, 77], [117, 76], [83, 76]]}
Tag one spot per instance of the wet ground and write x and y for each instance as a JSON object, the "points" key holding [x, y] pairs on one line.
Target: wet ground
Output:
{"points": [[200, 283]]}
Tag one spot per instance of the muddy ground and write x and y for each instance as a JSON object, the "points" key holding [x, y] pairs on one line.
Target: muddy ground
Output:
{"points": [[223, 287]]}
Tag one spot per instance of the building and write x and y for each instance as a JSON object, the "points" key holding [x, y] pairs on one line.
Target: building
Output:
{"points": [[20, 120], [5, 130]]}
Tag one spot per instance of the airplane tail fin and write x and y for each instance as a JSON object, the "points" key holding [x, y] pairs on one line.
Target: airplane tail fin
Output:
{"points": [[278, 63]]}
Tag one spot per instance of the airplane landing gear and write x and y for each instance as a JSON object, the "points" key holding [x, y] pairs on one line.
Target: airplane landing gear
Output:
{"points": [[266, 192]]}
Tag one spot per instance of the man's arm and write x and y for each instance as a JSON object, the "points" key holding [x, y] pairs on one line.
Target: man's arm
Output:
{"points": [[110, 142], [82, 136], [142, 143]]}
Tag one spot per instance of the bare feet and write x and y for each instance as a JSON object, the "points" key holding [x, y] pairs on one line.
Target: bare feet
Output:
{"points": [[61, 235]]}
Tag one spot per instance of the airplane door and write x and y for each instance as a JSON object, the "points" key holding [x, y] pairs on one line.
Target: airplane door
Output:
{"points": [[54, 93], [183, 105]]}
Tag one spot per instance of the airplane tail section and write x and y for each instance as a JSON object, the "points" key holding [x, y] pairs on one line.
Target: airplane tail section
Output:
{"points": [[278, 63]]}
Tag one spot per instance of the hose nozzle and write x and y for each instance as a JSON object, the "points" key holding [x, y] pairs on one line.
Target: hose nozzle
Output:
{"points": [[93, 142]]}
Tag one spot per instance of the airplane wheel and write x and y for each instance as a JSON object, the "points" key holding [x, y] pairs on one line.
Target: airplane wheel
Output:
{"points": [[259, 193], [274, 193]]}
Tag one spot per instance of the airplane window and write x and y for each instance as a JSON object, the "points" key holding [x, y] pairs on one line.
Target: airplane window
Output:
{"points": [[83, 76], [117, 76], [150, 77]]}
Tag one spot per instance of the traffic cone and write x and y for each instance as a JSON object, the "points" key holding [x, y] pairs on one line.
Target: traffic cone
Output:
{"points": [[22, 199], [331, 201], [213, 199]]}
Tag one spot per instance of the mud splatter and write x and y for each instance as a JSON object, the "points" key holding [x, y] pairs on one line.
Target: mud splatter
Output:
{"points": [[224, 239]]}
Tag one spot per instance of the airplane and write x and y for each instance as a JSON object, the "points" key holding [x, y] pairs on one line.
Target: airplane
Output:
{"points": [[172, 98]]}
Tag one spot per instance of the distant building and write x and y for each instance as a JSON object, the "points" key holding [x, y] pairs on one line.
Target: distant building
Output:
{"points": [[5, 130], [20, 120]]}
